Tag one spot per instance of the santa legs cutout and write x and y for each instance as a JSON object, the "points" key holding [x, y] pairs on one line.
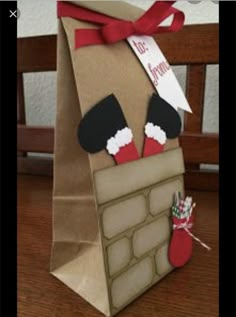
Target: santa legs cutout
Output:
{"points": [[163, 122], [104, 128]]}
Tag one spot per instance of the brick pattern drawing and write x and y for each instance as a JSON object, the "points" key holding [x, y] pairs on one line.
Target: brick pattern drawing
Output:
{"points": [[136, 226]]}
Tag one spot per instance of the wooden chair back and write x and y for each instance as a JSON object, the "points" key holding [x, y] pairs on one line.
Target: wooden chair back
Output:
{"points": [[195, 46]]}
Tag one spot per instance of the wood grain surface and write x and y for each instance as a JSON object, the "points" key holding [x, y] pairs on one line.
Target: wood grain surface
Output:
{"points": [[190, 291]]}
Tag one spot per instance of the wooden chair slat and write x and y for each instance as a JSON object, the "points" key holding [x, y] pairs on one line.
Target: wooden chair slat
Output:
{"points": [[35, 165], [207, 180], [20, 105], [194, 44], [203, 179], [35, 139], [195, 88], [20, 99], [200, 148], [36, 54], [197, 147]]}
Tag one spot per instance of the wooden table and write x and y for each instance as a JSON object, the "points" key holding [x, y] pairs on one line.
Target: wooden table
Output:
{"points": [[190, 291]]}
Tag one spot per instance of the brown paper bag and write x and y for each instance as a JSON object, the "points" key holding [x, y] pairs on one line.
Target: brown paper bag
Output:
{"points": [[111, 223]]}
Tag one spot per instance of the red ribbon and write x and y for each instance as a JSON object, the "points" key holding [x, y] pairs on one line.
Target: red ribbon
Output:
{"points": [[113, 30]]}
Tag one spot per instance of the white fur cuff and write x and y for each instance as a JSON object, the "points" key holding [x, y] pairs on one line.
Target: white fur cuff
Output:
{"points": [[121, 138], [155, 132]]}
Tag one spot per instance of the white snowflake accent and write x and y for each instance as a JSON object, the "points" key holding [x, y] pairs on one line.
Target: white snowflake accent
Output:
{"points": [[155, 132]]}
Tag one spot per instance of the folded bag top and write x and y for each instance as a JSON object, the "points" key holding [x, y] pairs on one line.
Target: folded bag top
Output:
{"points": [[104, 69]]}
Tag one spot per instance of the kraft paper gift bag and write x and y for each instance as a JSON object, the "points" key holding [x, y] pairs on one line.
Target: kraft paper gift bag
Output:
{"points": [[111, 217]]}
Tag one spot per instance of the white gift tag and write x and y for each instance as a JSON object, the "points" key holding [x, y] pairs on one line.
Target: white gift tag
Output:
{"points": [[159, 71]]}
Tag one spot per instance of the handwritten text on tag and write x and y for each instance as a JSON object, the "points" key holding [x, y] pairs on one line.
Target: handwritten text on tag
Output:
{"points": [[159, 71]]}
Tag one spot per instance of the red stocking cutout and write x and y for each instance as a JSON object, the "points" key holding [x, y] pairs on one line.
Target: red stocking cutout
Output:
{"points": [[180, 249], [152, 147], [126, 154]]}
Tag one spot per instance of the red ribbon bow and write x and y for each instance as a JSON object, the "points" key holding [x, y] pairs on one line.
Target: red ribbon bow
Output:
{"points": [[114, 30]]}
